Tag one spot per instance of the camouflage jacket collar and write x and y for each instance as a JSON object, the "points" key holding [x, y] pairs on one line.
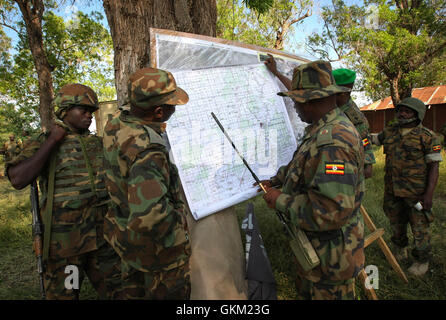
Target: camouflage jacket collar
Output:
{"points": [[159, 127], [313, 128], [415, 130], [349, 104]]}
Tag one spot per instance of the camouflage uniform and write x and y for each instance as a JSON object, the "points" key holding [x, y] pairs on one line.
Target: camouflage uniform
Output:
{"points": [[80, 203], [443, 133], [322, 191], [406, 173], [342, 77], [361, 124], [12, 149], [146, 223]]}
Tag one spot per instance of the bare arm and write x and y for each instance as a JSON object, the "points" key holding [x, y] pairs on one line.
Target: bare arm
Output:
{"points": [[271, 65], [432, 179], [26, 171]]}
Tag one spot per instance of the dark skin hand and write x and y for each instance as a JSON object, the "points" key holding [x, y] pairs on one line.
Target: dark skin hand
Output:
{"points": [[432, 179], [25, 172], [368, 171], [271, 194], [78, 118], [271, 65]]}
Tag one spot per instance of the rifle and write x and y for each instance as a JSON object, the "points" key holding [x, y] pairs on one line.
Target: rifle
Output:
{"points": [[37, 234], [300, 245]]}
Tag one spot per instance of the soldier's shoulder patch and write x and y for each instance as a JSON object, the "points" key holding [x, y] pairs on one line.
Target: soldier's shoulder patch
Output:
{"points": [[324, 136], [337, 168]]}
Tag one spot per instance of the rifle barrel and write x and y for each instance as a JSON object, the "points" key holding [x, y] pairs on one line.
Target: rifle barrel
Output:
{"points": [[37, 234]]}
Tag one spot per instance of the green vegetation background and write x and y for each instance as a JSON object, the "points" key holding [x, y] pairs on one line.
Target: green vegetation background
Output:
{"points": [[19, 279]]}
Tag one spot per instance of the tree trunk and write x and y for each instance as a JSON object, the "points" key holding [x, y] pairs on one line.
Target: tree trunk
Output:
{"points": [[32, 12], [280, 34], [394, 92], [130, 21]]}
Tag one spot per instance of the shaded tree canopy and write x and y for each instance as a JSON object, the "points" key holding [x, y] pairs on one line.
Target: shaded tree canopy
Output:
{"points": [[269, 28], [395, 45], [77, 48]]}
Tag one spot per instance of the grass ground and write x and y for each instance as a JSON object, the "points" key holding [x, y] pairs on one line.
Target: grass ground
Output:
{"points": [[19, 280]]}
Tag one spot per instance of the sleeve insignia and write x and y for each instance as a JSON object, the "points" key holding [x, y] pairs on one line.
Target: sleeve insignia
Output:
{"points": [[334, 168], [436, 148], [365, 142]]}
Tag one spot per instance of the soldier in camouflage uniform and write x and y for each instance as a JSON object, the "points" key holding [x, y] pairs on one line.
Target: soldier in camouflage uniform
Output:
{"points": [[346, 78], [323, 185], [146, 223], [411, 173], [11, 148], [443, 133], [69, 163]]}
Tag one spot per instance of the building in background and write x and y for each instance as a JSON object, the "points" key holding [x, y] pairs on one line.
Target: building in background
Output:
{"points": [[382, 111]]}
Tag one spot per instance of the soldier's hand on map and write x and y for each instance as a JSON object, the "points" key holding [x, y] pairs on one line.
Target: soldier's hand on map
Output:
{"points": [[271, 196], [265, 183], [271, 64]]}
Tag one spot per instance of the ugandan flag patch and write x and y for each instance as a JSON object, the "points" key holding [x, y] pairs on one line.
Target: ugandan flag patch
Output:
{"points": [[365, 142], [436, 148], [334, 168]]}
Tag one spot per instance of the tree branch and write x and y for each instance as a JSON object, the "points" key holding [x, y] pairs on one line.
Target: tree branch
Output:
{"points": [[306, 15], [10, 27]]}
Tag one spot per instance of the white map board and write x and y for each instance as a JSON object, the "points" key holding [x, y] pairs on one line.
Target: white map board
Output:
{"points": [[245, 100], [171, 50]]}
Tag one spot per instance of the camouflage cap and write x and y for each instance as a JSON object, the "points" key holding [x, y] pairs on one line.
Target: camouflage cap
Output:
{"points": [[74, 94], [415, 104], [150, 87], [313, 81], [344, 76]]}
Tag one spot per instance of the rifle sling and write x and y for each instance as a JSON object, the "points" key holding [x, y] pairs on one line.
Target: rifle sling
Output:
{"points": [[48, 215]]}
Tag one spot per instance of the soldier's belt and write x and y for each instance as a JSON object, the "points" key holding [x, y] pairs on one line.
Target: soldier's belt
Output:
{"points": [[324, 235]]}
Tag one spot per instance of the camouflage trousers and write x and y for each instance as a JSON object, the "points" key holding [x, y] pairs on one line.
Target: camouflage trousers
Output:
{"points": [[308, 290], [401, 212], [102, 267], [173, 284]]}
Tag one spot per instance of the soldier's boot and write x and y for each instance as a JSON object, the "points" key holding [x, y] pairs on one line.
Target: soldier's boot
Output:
{"points": [[418, 268], [400, 253]]}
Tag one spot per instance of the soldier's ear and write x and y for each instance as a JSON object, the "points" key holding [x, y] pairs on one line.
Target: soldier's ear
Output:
{"points": [[158, 112]]}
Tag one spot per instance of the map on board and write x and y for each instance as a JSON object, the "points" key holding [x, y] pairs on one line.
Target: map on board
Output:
{"points": [[245, 100]]}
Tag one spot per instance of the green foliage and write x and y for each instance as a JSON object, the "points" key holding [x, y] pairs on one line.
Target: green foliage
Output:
{"points": [[235, 22], [391, 287], [396, 46], [79, 49], [19, 279], [261, 6]]}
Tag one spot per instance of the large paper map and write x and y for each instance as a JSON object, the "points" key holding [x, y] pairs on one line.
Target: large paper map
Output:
{"points": [[244, 98]]}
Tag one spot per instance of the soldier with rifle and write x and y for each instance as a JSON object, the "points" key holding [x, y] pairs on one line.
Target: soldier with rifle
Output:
{"points": [[68, 161]]}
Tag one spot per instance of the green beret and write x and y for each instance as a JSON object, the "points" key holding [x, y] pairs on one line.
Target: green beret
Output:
{"points": [[344, 76]]}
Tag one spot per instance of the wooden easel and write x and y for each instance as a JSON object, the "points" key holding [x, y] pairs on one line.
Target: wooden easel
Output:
{"points": [[377, 234]]}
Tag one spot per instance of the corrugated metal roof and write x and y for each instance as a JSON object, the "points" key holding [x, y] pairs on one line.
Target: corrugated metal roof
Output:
{"points": [[429, 95]]}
